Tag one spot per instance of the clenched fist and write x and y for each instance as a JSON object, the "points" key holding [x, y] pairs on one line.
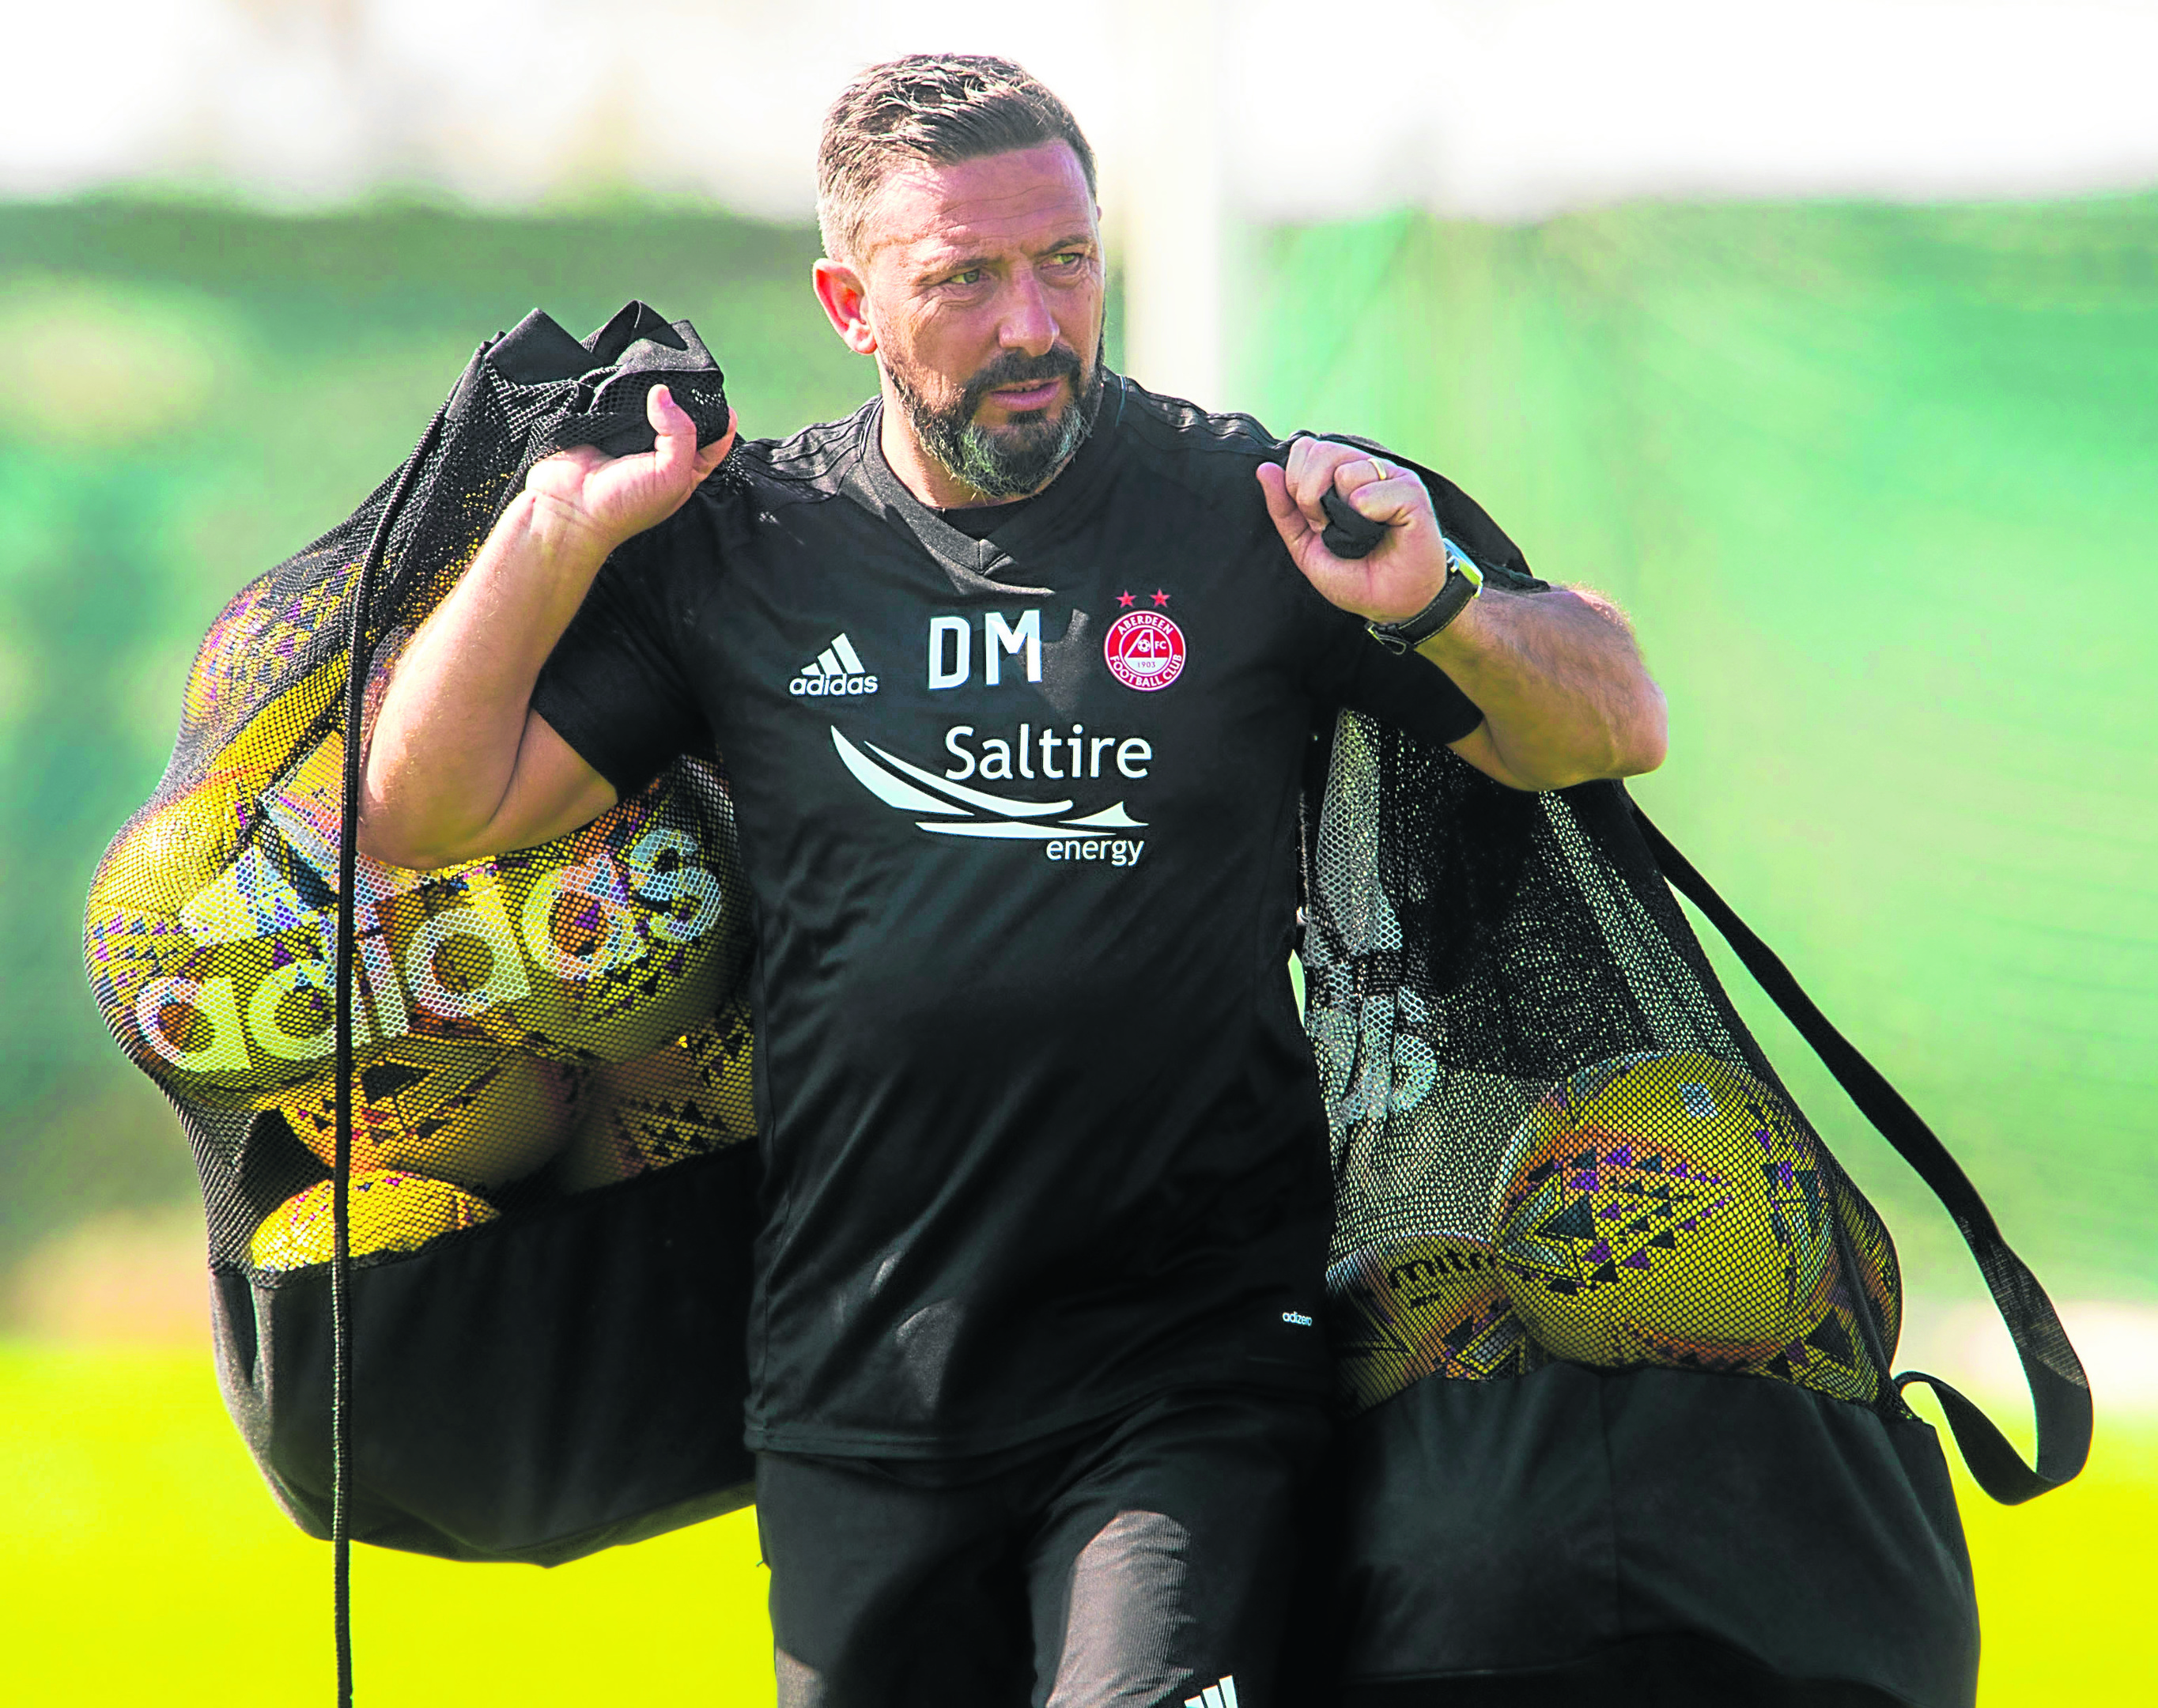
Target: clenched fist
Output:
{"points": [[1403, 573], [585, 494]]}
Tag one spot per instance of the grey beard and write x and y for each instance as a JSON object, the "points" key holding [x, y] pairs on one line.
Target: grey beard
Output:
{"points": [[1009, 465]]}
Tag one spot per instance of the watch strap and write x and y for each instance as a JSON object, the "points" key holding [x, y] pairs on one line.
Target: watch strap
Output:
{"points": [[1464, 582]]}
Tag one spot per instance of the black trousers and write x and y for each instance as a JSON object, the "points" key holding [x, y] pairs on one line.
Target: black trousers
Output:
{"points": [[1149, 1562]]}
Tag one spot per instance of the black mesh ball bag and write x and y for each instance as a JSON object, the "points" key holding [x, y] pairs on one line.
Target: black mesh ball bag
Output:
{"points": [[528, 1188], [1614, 1333]]}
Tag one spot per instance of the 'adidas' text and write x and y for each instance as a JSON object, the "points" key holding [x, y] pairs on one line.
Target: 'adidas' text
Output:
{"points": [[838, 669]]}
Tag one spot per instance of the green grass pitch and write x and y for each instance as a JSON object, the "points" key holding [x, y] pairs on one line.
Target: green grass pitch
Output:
{"points": [[141, 1560]]}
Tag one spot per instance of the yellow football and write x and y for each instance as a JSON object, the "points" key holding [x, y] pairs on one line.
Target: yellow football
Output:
{"points": [[691, 1097], [1831, 1356], [478, 1115], [1421, 1305], [210, 925], [193, 940], [1666, 1209], [389, 1211]]}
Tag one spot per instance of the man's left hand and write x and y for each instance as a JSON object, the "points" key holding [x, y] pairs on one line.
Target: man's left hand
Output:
{"points": [[1561, 684], [1404, 571]]}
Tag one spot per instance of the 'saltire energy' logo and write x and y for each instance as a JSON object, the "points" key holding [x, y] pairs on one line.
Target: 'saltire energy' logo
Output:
{"points": [[1144, 650]]}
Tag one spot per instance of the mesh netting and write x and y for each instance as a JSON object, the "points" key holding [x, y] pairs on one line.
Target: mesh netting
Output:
{"points": [[547, 1022], [1552, 1138]]}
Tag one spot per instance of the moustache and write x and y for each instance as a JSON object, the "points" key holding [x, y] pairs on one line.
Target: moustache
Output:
{"points": [[1017, 367]]}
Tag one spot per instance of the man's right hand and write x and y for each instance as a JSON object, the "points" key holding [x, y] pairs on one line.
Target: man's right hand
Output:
{"points": [[459, 764], [608, 499]]}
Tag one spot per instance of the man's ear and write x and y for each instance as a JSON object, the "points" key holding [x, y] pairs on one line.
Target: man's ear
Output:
{"points": [[839, 288]]}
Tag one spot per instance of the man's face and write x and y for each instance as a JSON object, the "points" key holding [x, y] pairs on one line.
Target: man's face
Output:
{"points": [[983, 284]]}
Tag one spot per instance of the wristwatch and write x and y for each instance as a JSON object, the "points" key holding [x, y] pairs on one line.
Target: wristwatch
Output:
{"points": [[1464, 582]]}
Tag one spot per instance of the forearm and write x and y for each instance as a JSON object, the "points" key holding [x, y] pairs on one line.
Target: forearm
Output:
{"points": [[1564, 693], [443, 759]]}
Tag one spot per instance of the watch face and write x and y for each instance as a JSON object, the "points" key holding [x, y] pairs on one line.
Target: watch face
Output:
{"points": [[1459, 561]]}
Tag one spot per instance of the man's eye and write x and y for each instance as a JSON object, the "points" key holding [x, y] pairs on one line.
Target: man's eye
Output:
{"points": [[967, 275], [1068, 258]]}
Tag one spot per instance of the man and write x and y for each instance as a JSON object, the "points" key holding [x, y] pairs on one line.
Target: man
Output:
{"points": [[1015, 674]]}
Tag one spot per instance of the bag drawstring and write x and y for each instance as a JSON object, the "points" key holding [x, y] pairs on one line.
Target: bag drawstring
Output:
{"points": [[2060, 1392], [359, 646]]}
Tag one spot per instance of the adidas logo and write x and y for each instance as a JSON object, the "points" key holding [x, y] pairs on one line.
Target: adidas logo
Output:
{"points": [[838, 669], [1221, 1696]]}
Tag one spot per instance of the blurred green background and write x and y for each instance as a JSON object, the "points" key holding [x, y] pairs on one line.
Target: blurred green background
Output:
{"points": [[1876, 483]]}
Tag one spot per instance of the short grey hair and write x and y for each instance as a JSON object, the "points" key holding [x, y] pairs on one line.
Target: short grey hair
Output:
{"points": [[940, 107]]}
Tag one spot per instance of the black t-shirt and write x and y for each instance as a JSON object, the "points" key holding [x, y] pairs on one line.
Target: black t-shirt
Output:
{"points": [[980, 521], [1041, 1129]]}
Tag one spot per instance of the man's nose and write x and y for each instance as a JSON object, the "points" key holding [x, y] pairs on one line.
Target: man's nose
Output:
{"points": [[1024, 320]]}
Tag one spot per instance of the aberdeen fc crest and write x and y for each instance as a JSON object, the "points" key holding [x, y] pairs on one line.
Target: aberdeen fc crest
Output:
{"points": [[1144, 650]]}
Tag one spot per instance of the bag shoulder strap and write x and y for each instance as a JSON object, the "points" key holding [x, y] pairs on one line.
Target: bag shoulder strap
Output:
{"points": [[2060, 1392]]}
